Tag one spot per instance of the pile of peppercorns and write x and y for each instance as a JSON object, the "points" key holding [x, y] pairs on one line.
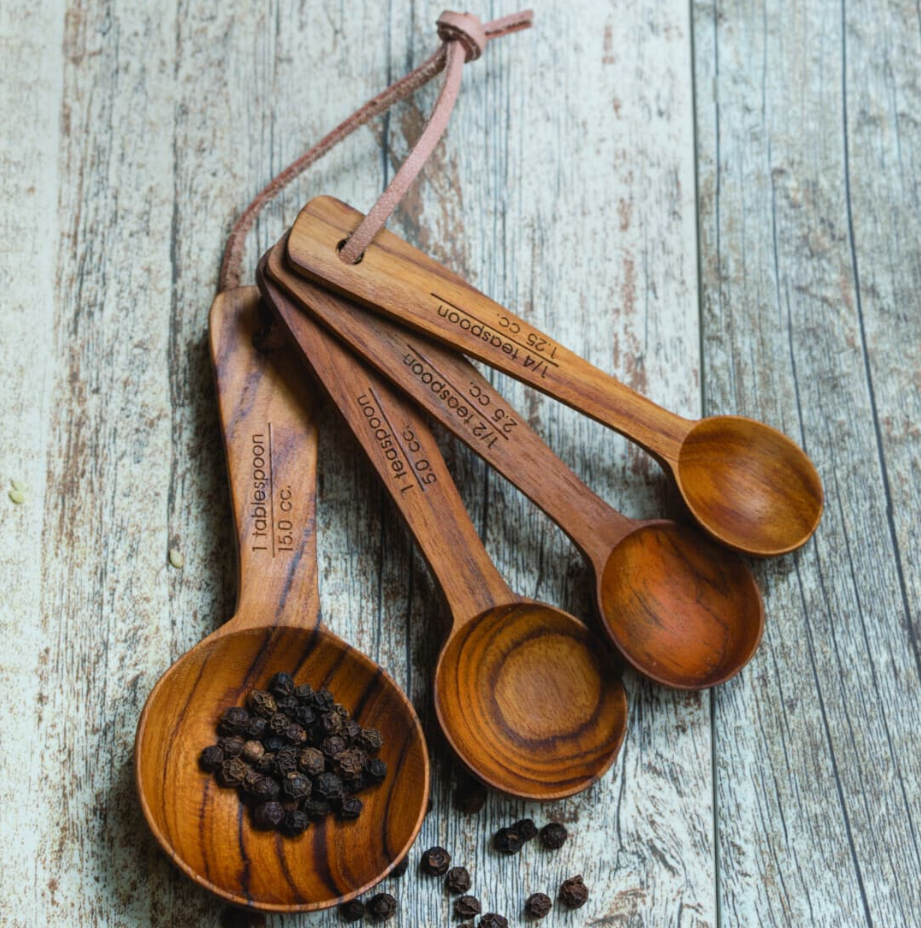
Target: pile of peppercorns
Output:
{"points": [[436, 861], [295, 755]]}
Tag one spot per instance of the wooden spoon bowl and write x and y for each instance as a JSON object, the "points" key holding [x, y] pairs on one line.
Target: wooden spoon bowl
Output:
{"points": [[736, 473], [206, 830], [529, 681], [271, 445], [682, 610]]}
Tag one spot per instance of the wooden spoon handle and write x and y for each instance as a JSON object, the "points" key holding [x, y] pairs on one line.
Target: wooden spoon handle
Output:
{"points": [[400, 281], [271, 444], [402, 450], [452, 390]]}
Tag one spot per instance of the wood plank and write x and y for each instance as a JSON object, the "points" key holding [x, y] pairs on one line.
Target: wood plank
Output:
{"points": [[30, 94], [564, 190], [797, 113]]}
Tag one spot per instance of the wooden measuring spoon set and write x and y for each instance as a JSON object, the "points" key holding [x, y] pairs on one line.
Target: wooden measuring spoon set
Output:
{"points": [[528, 696]]}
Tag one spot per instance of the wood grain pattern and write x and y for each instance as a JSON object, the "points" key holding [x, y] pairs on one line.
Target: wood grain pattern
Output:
{"points": [[527, 696], [682, 610], [270, 439]]}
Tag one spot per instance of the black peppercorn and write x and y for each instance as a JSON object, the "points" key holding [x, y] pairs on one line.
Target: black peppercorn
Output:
{"points": [[262, 703], [323, 699], [211, 758], [296, 786], [553, 836], [295, 733], [233, 772], [573, 893], [470, 796], [266, 764], [265, 789], [377, 769], [400, 868], [525, 829], [269, 815], [333, 745], [351, 731], [467, 907], [371, 740], [435, 861], [311, 762], [274, 743], [491, 920], [233, 721], [304, 693], [538, 905], [382, 906], [315, 807], [328, 786], [253, 751], [351, 763], [281, 684], [457, 880], [285, 761], [507, 841], [232, 746], [305, 716], [279, 723], [340, 710], [295, 822], [329, 723], [352, 911], [255, 727], [287, 704], [350, 808]]}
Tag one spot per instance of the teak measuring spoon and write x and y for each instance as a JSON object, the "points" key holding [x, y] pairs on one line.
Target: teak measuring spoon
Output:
{"points": [[271, 446], [745, 483], [526, 695], [682, 610]]}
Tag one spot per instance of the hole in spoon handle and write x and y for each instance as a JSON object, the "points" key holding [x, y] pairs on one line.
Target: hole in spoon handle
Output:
{"points": [[402, 450], [399, 281], [270, 443]]}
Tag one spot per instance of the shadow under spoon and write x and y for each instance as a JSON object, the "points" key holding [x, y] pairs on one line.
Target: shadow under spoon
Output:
{"points": [[527, 696], [746, 484], [271, 444], [682, 610]]}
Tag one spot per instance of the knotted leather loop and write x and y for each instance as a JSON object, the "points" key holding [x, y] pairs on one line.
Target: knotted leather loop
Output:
{"points": [[464, 28]]}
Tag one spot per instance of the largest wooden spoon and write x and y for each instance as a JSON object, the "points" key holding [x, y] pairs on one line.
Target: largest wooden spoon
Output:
{"points": [[745, 483], [271, 445]]}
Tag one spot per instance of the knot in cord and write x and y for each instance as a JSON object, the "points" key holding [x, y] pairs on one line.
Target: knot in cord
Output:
{"points": [[464, 28]]}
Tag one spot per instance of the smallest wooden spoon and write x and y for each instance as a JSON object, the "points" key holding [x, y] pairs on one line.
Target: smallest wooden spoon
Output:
{"points": [[682, 610], [271, 445]]}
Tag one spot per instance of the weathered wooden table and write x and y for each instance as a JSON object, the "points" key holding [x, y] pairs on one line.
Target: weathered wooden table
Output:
{"points": [[718, 202]]}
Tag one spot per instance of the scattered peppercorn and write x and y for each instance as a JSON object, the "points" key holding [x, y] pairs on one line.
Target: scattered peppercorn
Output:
{"points": [[470, 796], [352, 911], [491, 920], [538, 905], [400, 868], [467, 907], [382, 906], [525, 829], [295, 756], [457, 880], [507, 841], [553, 835], [573, 893], [435, 861]]}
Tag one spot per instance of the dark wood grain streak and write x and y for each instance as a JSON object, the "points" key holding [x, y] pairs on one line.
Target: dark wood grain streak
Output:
{"points": [[277, 617]]}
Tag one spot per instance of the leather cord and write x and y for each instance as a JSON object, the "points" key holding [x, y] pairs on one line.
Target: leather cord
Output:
{"points": [[464, 38]]}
